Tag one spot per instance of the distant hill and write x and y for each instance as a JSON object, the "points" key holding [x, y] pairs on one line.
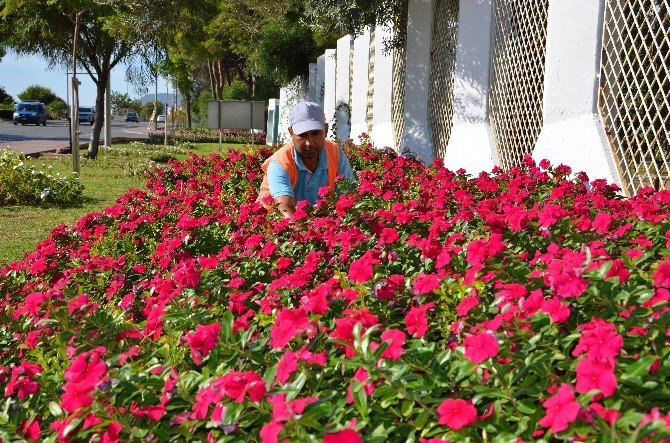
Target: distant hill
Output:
{"points": [[148, 98]]}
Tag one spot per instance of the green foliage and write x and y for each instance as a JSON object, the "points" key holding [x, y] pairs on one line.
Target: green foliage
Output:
{"points": [[57, 109], [23, 184], [148, 109], [5, 98], [200, 106], [41, 93], [238, 90]]}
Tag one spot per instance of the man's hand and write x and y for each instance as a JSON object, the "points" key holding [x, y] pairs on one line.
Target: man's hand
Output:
{"points": [[286, 205]]}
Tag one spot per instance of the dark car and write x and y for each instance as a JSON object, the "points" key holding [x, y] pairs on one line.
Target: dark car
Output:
{"points": [[30, 112], [132, 117]]}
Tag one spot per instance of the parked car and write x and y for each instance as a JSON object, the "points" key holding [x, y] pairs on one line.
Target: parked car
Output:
{"points": [[132, 117], [30, 111], [160, 119], [86, 114]]}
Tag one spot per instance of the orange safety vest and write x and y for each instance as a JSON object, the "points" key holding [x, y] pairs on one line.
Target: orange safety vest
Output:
{"points": [[284, 156]]}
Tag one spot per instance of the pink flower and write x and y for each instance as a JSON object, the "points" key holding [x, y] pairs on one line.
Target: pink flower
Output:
{"points": [[416, 321], [466, 305], [76, 396], [599, 340], [203, 340], [290, 323], [270, 432], [361, 375], [397, 339], [239, 384], [112, 434], [425, 283], [561, 409], [480, 346], [31, 429], [602, 222], [662, 275], [286, 366], [558, 311], [456, 413], [596, 374], [345, 436], [186, 275], [361, 270]]}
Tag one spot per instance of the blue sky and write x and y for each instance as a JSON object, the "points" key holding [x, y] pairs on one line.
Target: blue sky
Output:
{"points": [[17, 73]]}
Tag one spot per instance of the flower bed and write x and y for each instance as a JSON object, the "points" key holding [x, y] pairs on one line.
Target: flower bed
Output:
{"points": [[426, 306], [206, 136]]}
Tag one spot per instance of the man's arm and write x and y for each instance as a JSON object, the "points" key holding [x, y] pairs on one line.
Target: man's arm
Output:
{"points": [[286, 205]]}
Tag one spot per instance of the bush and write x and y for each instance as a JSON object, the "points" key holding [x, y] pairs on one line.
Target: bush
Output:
{"points": [[57, 110], [206, 136], [425, 306], [21, 184]]}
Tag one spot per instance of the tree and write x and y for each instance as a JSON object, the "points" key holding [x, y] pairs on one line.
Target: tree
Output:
{"points": [[2, 52], [5, 98], [41, 93], [47, 27]]}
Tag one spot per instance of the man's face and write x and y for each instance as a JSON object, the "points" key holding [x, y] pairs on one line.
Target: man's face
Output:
{"points": [[309, 144]]}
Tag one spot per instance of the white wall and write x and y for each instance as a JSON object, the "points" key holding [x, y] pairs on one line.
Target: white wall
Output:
{"points": [[416, 136], [382, 128], [311, 83], [319, 90], [471, 144], [330, 65], [359, 96], [343, 81], [288, 97], [573, 133]]}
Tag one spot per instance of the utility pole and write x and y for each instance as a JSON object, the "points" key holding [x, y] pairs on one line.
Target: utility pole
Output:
{"points": [[167, 95], [74, 110]]}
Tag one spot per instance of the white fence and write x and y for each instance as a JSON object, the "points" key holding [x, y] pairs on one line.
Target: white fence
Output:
{"points": [[481, 83]]}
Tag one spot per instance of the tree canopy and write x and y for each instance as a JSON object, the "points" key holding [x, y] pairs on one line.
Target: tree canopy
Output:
{"points": [[41, 93]]}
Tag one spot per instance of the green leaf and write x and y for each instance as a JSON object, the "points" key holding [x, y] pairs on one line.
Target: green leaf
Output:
{"points": [[55, 409], [227, 326], [421, 419], [406, 408], [641, 367]]}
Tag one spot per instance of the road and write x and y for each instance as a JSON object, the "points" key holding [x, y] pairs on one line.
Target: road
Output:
{"points": [[32, 139]]}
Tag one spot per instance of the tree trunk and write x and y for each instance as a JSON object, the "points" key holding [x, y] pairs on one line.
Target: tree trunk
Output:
{"points": [[188, 110], [210, 70], [219, 72], [101, 86]]}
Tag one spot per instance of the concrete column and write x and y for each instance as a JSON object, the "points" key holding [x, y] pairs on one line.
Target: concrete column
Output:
{"points": [[343, 80], [320, 79], [311, 83], [330, 65], [416, 136], [471, 144], [359, 96], [573, 132], [289, 95], [382, 128], [272, 130]]}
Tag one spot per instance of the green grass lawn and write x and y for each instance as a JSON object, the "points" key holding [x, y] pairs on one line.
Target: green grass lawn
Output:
{"points": [[111, 175]]}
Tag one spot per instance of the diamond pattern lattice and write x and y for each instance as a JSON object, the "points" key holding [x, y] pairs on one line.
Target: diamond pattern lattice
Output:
{"points": [[635, 90], [398, 83], [517, 76], [442, 64], [371, 82]]}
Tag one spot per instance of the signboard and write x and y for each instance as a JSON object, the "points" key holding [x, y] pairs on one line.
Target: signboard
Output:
{"points": [[234, 114]]}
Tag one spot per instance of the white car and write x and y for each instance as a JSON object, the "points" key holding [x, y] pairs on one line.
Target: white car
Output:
{"points": [[160, 119]]}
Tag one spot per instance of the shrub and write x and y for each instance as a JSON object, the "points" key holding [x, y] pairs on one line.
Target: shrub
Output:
{"points": [[206, 136], [425, 306], [21, 184]]}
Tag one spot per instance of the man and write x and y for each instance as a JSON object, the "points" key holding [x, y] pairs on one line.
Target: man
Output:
{"points": [[298, 169]]}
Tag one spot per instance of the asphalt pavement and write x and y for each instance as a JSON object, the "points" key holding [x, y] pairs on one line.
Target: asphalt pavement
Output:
{"points": [[31, 139]]}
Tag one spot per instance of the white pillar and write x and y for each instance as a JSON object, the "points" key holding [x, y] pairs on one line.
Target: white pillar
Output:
{"points": [[359, 95], [471, 144], [382, 128], [573, 132], [343, 80], [289, 95], [311, 83], [416, 136], [320, 79], [330, 64]]}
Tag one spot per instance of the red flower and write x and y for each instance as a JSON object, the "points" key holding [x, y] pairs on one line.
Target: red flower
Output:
{"points": [[290, 323], [456, 413], [22, 381], [416, 321], [111, 435], [662, 275], [480, 346], [239, 384], [361, 375], [556, 310], [602, 222], [397, 339], [596, 374], [286, 366], [466, 304], [186, 275], [599, 340], [360, 270], [31, 429], [425, 283], [203, 340], [77, 396], [562, 409], [345, 436], [270, 432]]}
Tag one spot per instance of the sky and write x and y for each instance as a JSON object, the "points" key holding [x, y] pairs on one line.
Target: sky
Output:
{"points": [[17, 73]]}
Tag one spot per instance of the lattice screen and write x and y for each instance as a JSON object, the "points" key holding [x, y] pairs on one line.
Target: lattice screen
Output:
{"points": [[351, 71], [517, 76], [398, 86], [371, 82], [635, 90], [442, 64]]}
